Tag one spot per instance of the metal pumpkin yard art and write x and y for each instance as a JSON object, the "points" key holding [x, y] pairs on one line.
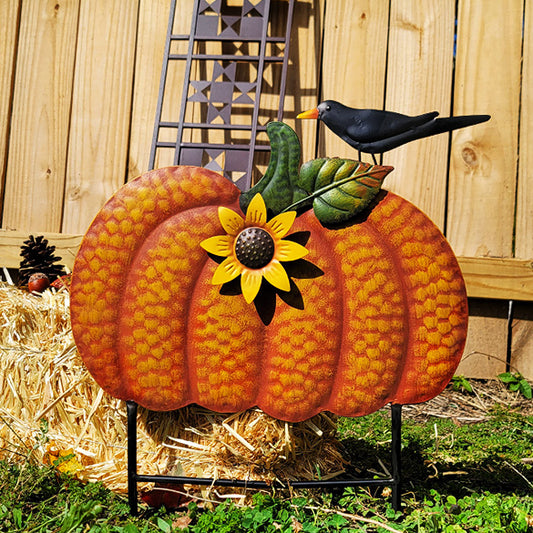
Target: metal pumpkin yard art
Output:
{"points": [[314, 291]]}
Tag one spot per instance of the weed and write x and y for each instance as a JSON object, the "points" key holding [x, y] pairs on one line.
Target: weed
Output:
{"points": [[516, 382], [461, 384]]}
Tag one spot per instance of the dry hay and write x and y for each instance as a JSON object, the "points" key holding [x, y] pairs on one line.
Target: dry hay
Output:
{"points": [[42, 377], [469, 408]]}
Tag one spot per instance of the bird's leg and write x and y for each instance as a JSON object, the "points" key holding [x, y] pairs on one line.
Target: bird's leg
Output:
{"points": [[359, 154], [374, 159]]}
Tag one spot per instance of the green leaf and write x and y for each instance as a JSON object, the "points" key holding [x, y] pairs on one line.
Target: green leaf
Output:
{"points": [[337, 520], [17, 517], [507, 377], [525, 389], [460, 383], [452, 500], [517, 382], [163, 525], [339, 189], [276, 186]]}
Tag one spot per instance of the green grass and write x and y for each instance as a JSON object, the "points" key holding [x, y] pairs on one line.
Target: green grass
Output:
{"points": [[484, 456], [456, 478]]}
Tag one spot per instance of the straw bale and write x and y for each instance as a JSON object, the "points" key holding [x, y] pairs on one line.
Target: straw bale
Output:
{"points": [[42, 378]]}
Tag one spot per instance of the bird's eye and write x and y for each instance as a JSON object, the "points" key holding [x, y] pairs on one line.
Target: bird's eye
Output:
{"points": [[328, 108]]}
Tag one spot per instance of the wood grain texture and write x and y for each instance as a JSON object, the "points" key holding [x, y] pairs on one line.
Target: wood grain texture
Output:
{"points": [[419, 79], [508, 279], [9, 11], [524, 208], [522, 344], [486, 342], [303, 76], [11, 241], [483, 161], [35, 175], [151, 34], [101, 108], [354, 63]]}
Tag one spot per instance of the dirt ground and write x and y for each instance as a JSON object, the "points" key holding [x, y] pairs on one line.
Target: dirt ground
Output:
{"points": [[466, 408]]}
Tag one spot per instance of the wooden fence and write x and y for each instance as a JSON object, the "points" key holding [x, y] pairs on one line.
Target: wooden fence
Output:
{"points": [[78, 91]]}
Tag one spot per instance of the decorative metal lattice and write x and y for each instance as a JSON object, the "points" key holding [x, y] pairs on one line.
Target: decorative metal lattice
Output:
{"points": [[229, 48]]}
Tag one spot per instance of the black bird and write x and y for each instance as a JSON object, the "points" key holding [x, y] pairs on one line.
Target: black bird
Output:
{"points": [[373, 131]]}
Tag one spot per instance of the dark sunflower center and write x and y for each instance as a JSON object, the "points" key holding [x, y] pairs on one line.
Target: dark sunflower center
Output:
{"points": [[254, 247]]}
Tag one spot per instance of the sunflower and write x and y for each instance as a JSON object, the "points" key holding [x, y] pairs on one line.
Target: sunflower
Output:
{"points": [[254, 248]]}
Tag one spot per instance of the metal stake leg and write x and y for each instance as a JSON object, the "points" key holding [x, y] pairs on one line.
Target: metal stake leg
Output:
{"points": [[396, 445], [131, 409], [134, 478]]}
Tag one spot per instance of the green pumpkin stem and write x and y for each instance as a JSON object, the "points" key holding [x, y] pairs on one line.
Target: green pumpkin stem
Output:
{"points": [[337, 189], [277, 185]]}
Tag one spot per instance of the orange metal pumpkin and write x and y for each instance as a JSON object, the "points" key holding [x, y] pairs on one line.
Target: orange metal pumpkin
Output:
{"points": [[385, 323]]}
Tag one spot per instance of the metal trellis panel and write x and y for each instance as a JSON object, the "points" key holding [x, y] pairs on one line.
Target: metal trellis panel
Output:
{"points": [[217, 83]]}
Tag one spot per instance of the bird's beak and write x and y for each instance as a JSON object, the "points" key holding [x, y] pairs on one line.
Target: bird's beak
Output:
{"points": [[312, 113]]}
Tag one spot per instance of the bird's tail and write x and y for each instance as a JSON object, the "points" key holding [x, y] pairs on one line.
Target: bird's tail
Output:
{"points": [[433, 127], [441, 125]]}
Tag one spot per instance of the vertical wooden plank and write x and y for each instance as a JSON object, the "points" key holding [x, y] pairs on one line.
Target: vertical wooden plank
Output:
{"points": [[101, 108], [486, 343], [175, 86], [483, 159], [302, 82], [9, 15], [353, 63], [303, 76], [41, 108], [522, 345], [524, 208], [152, 30], [419, 79]]}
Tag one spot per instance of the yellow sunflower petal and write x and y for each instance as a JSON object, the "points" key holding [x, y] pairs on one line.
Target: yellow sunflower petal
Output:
{"points": [[250, 284], [290, 251], [256, 214], [231, 221], [275, 274], [281, 224], [218, 245], [228, 270]]}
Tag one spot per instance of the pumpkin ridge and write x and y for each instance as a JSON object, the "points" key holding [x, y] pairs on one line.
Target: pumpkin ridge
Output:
{"points": [[108, 249], [223, 353], [405, 288], [154, 336], [301, 346], [394, 214], [161, 190], [426, 260], [373, 341], [325, 242]]}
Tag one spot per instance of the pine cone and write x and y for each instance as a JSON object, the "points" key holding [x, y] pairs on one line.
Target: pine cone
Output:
{"points": [[38, 258]]}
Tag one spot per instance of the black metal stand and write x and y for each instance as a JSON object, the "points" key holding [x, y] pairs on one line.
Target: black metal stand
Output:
{"points": [[134, 477]]}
